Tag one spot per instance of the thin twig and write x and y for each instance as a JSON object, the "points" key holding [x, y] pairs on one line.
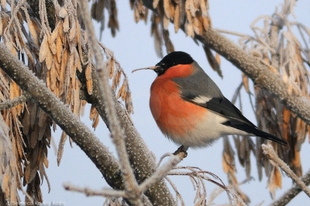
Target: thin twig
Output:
{"points": [[162, 171], [91, 192], [292, 192], [117, 132], [16, 101], [233, 33], [270, 153]]}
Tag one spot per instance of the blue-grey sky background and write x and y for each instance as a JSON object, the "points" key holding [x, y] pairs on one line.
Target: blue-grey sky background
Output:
{"points": [[133, 48]]}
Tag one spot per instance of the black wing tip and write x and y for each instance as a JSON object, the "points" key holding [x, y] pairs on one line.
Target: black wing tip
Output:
{"points": [[251, 129], [274, 139], [268, 136]]}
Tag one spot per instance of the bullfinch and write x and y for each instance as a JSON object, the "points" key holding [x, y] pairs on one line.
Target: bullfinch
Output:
{"points": [[190, 109]]}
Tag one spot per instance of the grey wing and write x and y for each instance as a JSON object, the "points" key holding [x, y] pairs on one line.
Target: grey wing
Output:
{"points": [[198, 84], [200, 89]]}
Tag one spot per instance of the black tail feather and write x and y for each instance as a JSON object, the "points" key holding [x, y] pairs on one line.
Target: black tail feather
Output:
{"points": [[253, 130]]}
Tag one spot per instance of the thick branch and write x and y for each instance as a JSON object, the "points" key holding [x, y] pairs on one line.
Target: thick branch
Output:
{"points": [[257, 71]]}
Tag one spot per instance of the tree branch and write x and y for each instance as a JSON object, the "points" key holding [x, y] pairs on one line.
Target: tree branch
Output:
{"points": [[270, 153], [16, 101], [257, 71], [293, 192]]}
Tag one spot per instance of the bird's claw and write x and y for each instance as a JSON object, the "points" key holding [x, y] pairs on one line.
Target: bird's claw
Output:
{"points": [[181, 149]]}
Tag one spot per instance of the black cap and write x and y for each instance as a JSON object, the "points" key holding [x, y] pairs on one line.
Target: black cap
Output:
{"points": [[172, 59]]}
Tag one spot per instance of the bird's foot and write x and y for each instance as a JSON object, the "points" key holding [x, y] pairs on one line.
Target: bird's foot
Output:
{"points": [[181, 149]]}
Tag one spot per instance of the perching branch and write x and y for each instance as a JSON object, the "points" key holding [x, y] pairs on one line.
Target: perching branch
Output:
{"points": [[162, 171]]}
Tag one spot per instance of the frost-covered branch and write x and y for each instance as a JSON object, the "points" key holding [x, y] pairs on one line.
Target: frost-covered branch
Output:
{"points": [[16, 101]]}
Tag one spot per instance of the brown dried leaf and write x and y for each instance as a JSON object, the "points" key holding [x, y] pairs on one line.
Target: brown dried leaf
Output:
{"points": [[136, 15], [44, 160], [6, 178], [197, 26], [206, 23], [275, 180], [97, 10], [212, 61], [116, 80], [4, 19], [26, 122], [61, 33], [34, 137], [93, 114], [29, 174], [176, 20], [167, 9], [61, 146], [59, 50], [53, 79], [72, 33], [11, 47], [113, 22], [168, 42], [128, 102], [203, 7], [166, 22], [111, 68], [121, 91], [77, 101], [155, 3], [15, 92], [89, 82], [65, 25], [96, 121], [44, 49], [228, 160], [49, 60], [34, 30], [245, 81], [55, 33], [3, 4]]}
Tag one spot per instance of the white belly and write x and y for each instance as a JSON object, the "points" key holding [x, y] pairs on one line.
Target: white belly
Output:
{"points": [[206, 131]]}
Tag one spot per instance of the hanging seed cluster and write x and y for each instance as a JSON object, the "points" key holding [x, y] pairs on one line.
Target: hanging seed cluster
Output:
{"points": [[189, 15], [276, 46], [50, 39], [97, 13]]}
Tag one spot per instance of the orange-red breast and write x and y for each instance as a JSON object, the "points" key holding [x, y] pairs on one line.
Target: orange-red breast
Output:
{"points": [[190, 109]]}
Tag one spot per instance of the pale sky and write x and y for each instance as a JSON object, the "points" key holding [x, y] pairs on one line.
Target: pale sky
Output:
{"points": [[134, 48]]}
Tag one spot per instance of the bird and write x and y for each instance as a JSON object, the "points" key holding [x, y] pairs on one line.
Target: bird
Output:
{"points": [[190, 109]]}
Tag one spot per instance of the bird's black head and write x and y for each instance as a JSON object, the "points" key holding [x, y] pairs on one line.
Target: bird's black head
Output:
{"points": [[172, 59]]}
